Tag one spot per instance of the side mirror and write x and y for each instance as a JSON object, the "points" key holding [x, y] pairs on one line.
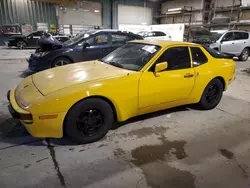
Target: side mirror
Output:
{"points": [[160, 67], [85, 45]]}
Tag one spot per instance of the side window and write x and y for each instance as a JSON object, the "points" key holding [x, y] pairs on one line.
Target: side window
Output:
{"points": [[245, 36], [160, 34], [241, 35], [199, 58], [119, 39], [150, 34], [177, 58], [38, 33], [89, 40], [238, 36], [101, 39], [228, 36]]}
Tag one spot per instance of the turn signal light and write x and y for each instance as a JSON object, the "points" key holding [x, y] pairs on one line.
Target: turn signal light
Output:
{"points": [[48, 117]]}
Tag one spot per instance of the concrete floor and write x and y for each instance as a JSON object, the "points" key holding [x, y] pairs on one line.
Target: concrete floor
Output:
{"points": [[177, 148]]}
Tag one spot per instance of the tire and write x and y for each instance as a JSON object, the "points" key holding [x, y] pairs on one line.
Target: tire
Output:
{"points": [[60, 62], [21, 44], [244, 55], [80, 126], [207, 101]]}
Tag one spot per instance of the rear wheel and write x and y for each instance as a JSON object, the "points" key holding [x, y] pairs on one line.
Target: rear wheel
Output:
{"points": [[212, 95], [21, 44], [244, 55], [60, 62], [89, 121]]}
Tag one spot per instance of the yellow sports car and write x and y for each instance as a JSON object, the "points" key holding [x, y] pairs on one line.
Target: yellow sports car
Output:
{"points": [[83, 100]]}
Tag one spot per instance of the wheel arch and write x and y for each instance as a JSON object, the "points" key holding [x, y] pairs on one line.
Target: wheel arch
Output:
{"points": [[222, 81]]}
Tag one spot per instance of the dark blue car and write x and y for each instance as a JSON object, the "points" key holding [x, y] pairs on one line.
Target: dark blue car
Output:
{"points": [[84, 47]]}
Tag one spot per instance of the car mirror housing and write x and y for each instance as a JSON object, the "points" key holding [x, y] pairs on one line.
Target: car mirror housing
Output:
{"points": [[86, 45], [160, 67]]}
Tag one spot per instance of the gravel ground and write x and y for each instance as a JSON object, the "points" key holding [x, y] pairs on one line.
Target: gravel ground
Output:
{"points": [[176, 148]]}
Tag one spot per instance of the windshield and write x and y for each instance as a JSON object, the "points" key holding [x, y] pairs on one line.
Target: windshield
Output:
{"points": [[78, 38], [131, 56], [216, 35]]}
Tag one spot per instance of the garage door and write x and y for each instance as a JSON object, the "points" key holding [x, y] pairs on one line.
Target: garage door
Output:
{"points": [[134, 15], [88, 13]]}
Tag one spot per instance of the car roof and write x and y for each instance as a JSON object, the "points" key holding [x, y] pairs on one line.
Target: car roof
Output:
{"points": [[164, 43], [113, 31], [223, 31]]}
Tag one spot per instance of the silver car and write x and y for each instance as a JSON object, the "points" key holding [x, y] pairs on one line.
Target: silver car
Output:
{"points": [[232, 41]]}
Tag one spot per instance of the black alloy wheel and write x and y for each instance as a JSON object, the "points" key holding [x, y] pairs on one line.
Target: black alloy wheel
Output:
{"points": [[89, 120], [21, 44], [212, 95]]}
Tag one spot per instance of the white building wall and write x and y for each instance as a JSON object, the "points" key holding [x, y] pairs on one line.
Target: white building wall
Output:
{"points": [[245, 3]]}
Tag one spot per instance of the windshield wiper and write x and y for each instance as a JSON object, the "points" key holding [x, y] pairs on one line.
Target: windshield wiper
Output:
{"points": [[116, 64]]}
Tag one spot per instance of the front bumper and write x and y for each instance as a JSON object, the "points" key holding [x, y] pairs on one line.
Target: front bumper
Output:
{"points": [[40, 128], [38, 63]]}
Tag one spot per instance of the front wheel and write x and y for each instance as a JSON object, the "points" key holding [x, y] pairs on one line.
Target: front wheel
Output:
{"points": [[244, 55], [60, 62], [89, 120], [212, 95], [21, 45]]}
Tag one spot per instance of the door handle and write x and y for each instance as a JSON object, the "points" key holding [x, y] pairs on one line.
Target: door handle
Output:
{"points": [[233, 43], [188, 75]]}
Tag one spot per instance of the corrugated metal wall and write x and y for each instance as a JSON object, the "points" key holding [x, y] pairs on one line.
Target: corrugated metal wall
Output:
{"points": [[26, 12], [31, 12]]}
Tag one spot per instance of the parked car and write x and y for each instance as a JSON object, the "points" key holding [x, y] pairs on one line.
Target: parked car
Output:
{"points": [[199, 35], [156, 35], [235, 42], [88, 46], [22, 42], [83, 100]]}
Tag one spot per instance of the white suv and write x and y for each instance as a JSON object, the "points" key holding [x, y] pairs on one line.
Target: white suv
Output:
{"points": [[234, 42]]}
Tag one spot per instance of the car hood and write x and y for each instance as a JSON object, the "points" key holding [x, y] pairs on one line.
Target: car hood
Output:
{"points": [[49, 43], [58, 78]]}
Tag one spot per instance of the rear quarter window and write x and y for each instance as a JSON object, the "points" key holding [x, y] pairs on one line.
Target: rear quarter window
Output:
{"points": [[199, 58]]}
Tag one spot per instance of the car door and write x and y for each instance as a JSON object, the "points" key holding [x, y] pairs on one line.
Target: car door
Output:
{"points": [[100, 45], [240, 41], [228, 43], [173, 84], [33, 38], [118, 40]]}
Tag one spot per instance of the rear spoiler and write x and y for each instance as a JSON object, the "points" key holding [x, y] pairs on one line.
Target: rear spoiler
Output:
{"points": [[229, 56]]}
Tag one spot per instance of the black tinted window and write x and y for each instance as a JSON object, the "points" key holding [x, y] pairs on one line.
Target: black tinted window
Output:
{"points": [[39, 33], [229, 36], [177, 58], [119, 39], [159, 34], [198, 56], [240, 35]]}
